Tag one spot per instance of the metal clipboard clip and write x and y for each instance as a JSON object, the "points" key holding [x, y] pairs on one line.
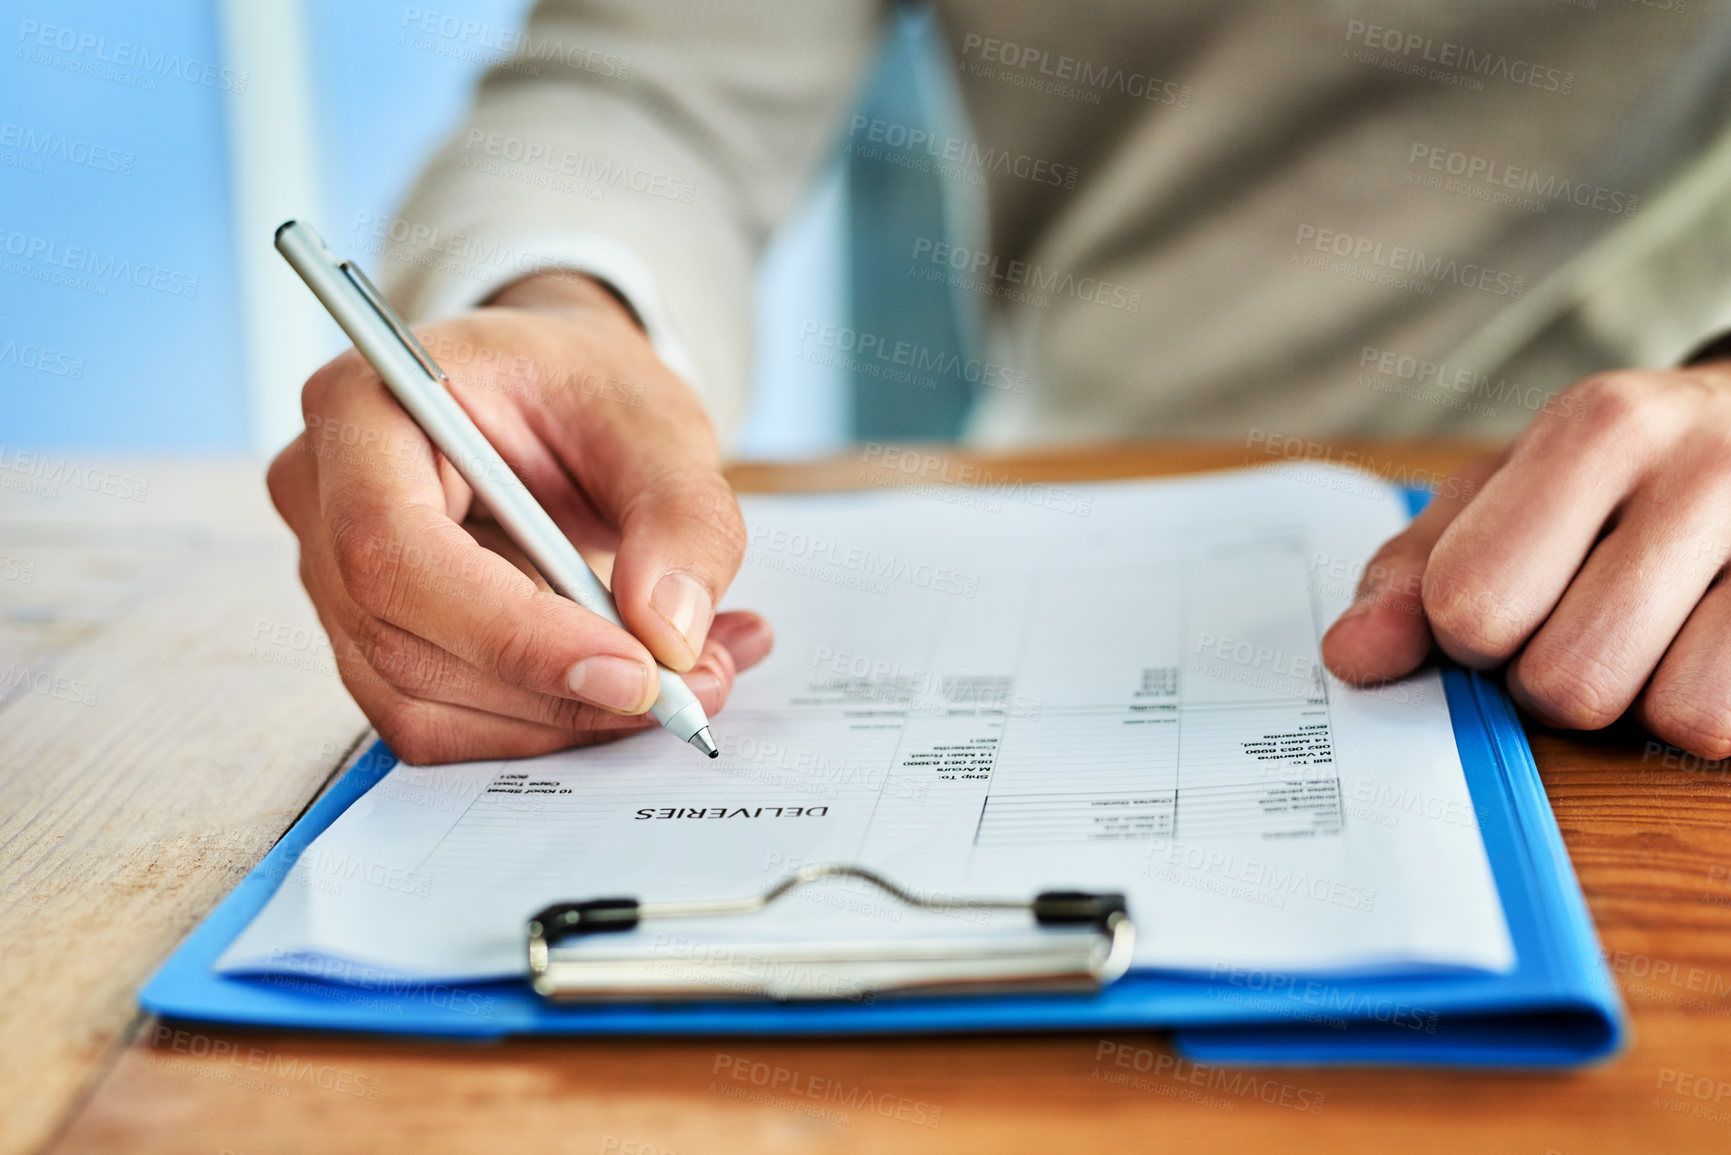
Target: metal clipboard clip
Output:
{"points": [[1082, 942]]}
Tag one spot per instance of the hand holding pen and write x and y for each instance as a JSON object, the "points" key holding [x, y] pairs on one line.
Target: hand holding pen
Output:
{"points": [[452, 651]]}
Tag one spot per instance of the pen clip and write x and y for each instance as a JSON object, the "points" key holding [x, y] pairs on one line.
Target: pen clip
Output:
{"points": [[389, 316]]}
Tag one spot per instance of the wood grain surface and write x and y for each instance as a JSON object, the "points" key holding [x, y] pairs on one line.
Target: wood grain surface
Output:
{"points": [[154, 800], [166, 713]]}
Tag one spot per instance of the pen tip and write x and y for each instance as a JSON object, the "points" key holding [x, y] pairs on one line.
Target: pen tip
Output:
{"points": [[705, 743]]}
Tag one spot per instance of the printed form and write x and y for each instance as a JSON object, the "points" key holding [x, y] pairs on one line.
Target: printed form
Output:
{"points": [[981, 693]]}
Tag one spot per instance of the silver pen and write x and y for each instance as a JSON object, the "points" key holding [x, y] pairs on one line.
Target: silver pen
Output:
{"points": [[418, 384]]}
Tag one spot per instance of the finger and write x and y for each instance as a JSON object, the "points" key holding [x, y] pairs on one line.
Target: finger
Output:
{"points": [[368, 647], [1383, 634], [425, 733], [1501, 567], [418, 668], [1589, 660], [402, 559], [711, 677], [415, 667], [746, 636], [1688, 701], [421, 670], [425, 730], [370, 650]]}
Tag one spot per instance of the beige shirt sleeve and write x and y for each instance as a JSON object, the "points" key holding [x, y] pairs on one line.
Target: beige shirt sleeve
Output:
{"points": [[653, 145]]}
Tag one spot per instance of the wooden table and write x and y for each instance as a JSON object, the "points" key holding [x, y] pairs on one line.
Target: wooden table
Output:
{"points": [[168, 712]]}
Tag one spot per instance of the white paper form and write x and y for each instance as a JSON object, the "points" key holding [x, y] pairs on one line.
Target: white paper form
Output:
{"points": [[979, 693]]}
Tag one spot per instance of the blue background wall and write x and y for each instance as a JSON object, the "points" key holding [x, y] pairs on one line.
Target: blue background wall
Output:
{"points": [[157, 369], [160, 370], [117, 163]]}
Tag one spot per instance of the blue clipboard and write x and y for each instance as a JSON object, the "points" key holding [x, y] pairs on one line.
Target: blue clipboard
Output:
{"points": [[1558, 1007]]}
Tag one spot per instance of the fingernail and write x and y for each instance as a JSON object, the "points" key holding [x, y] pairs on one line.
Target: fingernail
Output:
{"points": [[685, 604], [612, 683]]}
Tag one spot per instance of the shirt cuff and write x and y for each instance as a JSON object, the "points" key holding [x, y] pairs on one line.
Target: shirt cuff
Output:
{"points": [[595, 255]]}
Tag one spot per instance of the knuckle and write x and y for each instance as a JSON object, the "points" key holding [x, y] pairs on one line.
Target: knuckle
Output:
{"points": [[419, 747], [707, 506], [1394, 575], [309, 581], [407, 729], [516, 652], [1468, 617], [728, 528], [327, 382], [1574, 691], [315, 394], [423, 733], [1617, 406], [400, 661], [598, 737], [352, 666], [1710, 741], [1691, 721], [571, 715], [369, 568], [282, 477], [731, 523]]}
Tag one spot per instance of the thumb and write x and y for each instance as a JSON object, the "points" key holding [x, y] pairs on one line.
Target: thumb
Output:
{"points": [[653, 472], [681, 540], [1384, 634]]}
